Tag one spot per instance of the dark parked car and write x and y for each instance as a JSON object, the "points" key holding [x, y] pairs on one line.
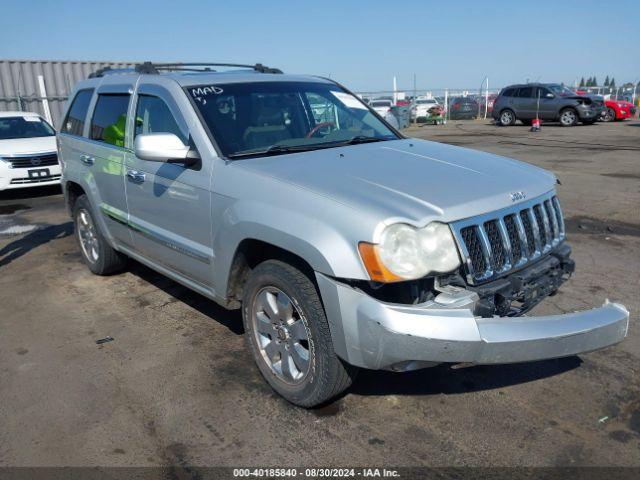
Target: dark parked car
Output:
{"points": [[547, 101], [463, 108]]}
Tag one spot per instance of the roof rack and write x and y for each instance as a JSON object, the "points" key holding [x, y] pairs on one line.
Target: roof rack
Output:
{"points": [[155, 68], [101, 72]]}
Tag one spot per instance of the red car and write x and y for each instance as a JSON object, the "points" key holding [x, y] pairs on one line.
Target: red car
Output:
{"points": [[618, 110], [615, 109]]}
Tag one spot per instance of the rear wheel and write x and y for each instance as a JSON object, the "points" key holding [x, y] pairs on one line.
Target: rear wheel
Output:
{"points": [[288, 334], [507, 118], [568, 117], [96, 253]]}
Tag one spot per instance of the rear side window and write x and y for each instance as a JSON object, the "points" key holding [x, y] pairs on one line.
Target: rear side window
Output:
{"points": [[154, 116], [74, 123], [509, 92], [525, 92], [110, 119]]}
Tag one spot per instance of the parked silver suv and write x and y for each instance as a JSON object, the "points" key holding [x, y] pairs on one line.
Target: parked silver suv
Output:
{"points": [[345, 244]]}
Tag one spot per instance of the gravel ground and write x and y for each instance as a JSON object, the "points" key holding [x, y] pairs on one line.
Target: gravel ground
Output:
{"points": [[177, 387]]}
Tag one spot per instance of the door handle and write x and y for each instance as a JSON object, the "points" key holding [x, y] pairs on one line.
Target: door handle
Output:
{"points": [[136, 176], [87, 160]]}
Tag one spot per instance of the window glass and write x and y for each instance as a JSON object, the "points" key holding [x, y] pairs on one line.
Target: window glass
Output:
{"points": [[541, 92], [110, 119], [509, 92], [153, 116], [250, 118], [525, 92], [27, 126], [74, 123]]}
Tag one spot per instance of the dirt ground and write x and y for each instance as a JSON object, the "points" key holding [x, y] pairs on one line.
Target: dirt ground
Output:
{"points": [[177, 386]]}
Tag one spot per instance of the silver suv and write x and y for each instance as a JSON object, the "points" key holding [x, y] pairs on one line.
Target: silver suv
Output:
{"points": [[344, 243]]}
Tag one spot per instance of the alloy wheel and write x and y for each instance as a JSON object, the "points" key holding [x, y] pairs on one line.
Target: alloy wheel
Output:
{"points": [[281, 335], [568, 117], [506, 118], [87, 235]]}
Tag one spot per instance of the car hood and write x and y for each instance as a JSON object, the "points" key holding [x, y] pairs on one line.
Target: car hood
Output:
{"points": [[22, 146], [412, 179]]}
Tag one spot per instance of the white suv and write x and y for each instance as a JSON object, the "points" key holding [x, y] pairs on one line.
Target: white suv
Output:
{"points": [[28, 154]]}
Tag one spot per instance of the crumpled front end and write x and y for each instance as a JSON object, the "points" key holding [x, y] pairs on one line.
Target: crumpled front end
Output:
{"points": [[370, 333]]}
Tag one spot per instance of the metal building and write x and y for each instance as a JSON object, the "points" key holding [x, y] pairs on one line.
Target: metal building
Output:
{"points": [[42, 86]]}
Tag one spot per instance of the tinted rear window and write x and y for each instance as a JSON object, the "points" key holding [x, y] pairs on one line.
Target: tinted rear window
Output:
{"points": [[525, 92], [508, 92], [74, 123], [110, 119]]}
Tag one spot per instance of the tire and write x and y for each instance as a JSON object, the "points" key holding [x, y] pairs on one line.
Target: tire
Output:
{"points": [[507, 117], [96, 253], [280, 307], [568, 117], [609, 115]]}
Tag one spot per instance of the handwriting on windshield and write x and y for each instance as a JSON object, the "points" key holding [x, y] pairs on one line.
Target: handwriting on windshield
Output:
{"points": [[199, 93]]}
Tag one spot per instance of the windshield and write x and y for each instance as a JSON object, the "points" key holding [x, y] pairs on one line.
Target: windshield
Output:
{"points": [[279, 117], [561, 90], [381, 103], [423, 102], [28, 126]]}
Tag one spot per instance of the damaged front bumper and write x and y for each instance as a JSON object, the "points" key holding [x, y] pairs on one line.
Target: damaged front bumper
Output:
{"points": [[369, 333]]}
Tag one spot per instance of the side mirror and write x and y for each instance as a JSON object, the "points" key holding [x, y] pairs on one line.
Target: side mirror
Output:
{"points": [[162, 147]]}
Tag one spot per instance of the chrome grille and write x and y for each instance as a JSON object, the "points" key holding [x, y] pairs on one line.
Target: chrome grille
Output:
{"points": [[34, 161], [501, 241]]}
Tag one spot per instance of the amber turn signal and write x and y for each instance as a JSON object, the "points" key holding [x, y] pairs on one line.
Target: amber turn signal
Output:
{"points": [[376, 269]]}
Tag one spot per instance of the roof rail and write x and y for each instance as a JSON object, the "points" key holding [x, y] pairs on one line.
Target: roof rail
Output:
{"points": [[101, 72], [155, 68]]}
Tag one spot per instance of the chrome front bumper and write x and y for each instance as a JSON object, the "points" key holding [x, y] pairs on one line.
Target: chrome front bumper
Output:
{"points": [[372, 334]]}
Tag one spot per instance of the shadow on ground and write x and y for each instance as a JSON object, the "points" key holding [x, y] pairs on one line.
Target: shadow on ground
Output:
{"points": [[25, 244], [442, 379], [232, 319]]}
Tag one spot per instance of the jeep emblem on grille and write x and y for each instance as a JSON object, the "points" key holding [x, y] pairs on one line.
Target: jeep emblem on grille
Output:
{"points": [[515, 196], [35, 161]]}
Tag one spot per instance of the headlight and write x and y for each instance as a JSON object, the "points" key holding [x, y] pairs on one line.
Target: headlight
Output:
{"points": [[406, 252]]}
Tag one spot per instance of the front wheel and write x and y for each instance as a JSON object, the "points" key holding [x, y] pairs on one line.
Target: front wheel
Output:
{"points": [[568, 117], [507, 118], [609, 115], [288, 334]]}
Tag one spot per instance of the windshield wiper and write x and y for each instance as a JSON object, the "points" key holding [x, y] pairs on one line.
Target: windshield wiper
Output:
{"points": [[364, 139], [273, 150]]}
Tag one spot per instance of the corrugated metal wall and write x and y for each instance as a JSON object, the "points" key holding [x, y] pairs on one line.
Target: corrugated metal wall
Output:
{"points": [[20, 87]]}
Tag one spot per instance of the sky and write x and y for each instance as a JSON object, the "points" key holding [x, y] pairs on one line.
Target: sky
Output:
{"points": [[362, 44]]}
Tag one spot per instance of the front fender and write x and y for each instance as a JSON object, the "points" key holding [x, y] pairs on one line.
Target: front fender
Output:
{"points": [[318, 242]]}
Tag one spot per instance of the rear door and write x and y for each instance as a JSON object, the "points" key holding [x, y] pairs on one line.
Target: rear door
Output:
{"points": [[525, 103], [104, 153], [169, 204]]}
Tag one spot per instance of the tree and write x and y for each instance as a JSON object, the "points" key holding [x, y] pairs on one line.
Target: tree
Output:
{"points": [[606, 81], [612, 84], [595, 82], [582, 82]]}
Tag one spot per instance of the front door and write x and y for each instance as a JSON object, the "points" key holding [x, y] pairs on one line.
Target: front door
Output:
{"points": [[547, 104], [169, 204]]}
